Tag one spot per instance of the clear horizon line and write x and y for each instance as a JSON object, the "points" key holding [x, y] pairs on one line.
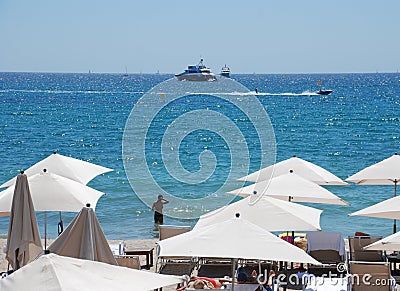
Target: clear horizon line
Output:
{"points": [[164, 73]]}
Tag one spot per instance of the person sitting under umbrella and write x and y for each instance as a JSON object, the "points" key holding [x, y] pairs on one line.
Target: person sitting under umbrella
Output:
{"points": [[243, 277]]}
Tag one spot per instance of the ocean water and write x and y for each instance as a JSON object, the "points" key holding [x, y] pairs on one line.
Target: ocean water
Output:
{"points": [[85, 115]]}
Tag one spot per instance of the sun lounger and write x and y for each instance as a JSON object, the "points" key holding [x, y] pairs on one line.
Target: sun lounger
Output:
{"points": [[318, 240], [167, 231], [327, 256], [327, 248], [262, 268], [371, 276], [214, 268], [169, 265], [132, 262], [176, 266], [357, 253], [329, 259]]}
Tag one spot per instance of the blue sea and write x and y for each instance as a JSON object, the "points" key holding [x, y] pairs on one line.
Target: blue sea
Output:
{"points": [[85, 116]]}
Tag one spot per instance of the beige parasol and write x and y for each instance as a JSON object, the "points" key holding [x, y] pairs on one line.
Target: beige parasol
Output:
{"points": [[84, 239], [23, 240]]}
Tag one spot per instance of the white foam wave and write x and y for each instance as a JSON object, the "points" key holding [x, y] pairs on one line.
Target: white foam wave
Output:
{"points": [[250, 93], [305, 93]]}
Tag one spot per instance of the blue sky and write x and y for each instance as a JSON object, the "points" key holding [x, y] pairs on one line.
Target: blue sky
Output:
{"points": [[260, 36]]}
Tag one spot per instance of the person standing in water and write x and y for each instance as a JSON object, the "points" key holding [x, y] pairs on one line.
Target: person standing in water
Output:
{"points": [[158, 207]]}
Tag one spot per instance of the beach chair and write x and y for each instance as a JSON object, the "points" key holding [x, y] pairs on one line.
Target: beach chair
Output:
{"points": [[132, 262], [329, 249], [176, 266], [214, 268], [122, 259], [371, 276], [261, 268], [167, 231], [357, 252], [291, 278]]}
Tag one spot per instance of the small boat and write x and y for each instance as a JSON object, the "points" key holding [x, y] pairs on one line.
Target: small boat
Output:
{"points": [[126, 72], [225, 72], [324, 92], [198, 72]]}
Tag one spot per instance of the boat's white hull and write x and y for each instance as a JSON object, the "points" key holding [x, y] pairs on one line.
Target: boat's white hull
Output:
{"points": [[225, 74], [197, 77]]}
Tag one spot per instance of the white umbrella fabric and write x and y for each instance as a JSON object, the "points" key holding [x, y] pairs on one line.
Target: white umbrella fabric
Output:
{"points": [[291, 187], [84, 239], [235, 238], [51, 192], [300, 167], [386, 172], [23, 239], [389, 208], [268, 213], [57, 273], [71, 168], [390, 243]]}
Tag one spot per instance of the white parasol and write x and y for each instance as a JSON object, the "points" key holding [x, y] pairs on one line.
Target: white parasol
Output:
{"points": [[71, 168], [291, 187], [51, 192], [268, 213], [390, 244], [298, 166], [57, 273], [386, 172]]}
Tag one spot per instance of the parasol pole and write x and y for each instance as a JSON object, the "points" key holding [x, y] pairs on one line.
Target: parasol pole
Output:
{"points": [[45, 223], [45, 230], [237, 215], [233, 273], [290, 200]]}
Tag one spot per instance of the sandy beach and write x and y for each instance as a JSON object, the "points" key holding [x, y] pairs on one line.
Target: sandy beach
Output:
{"points": [[130, 244]]}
